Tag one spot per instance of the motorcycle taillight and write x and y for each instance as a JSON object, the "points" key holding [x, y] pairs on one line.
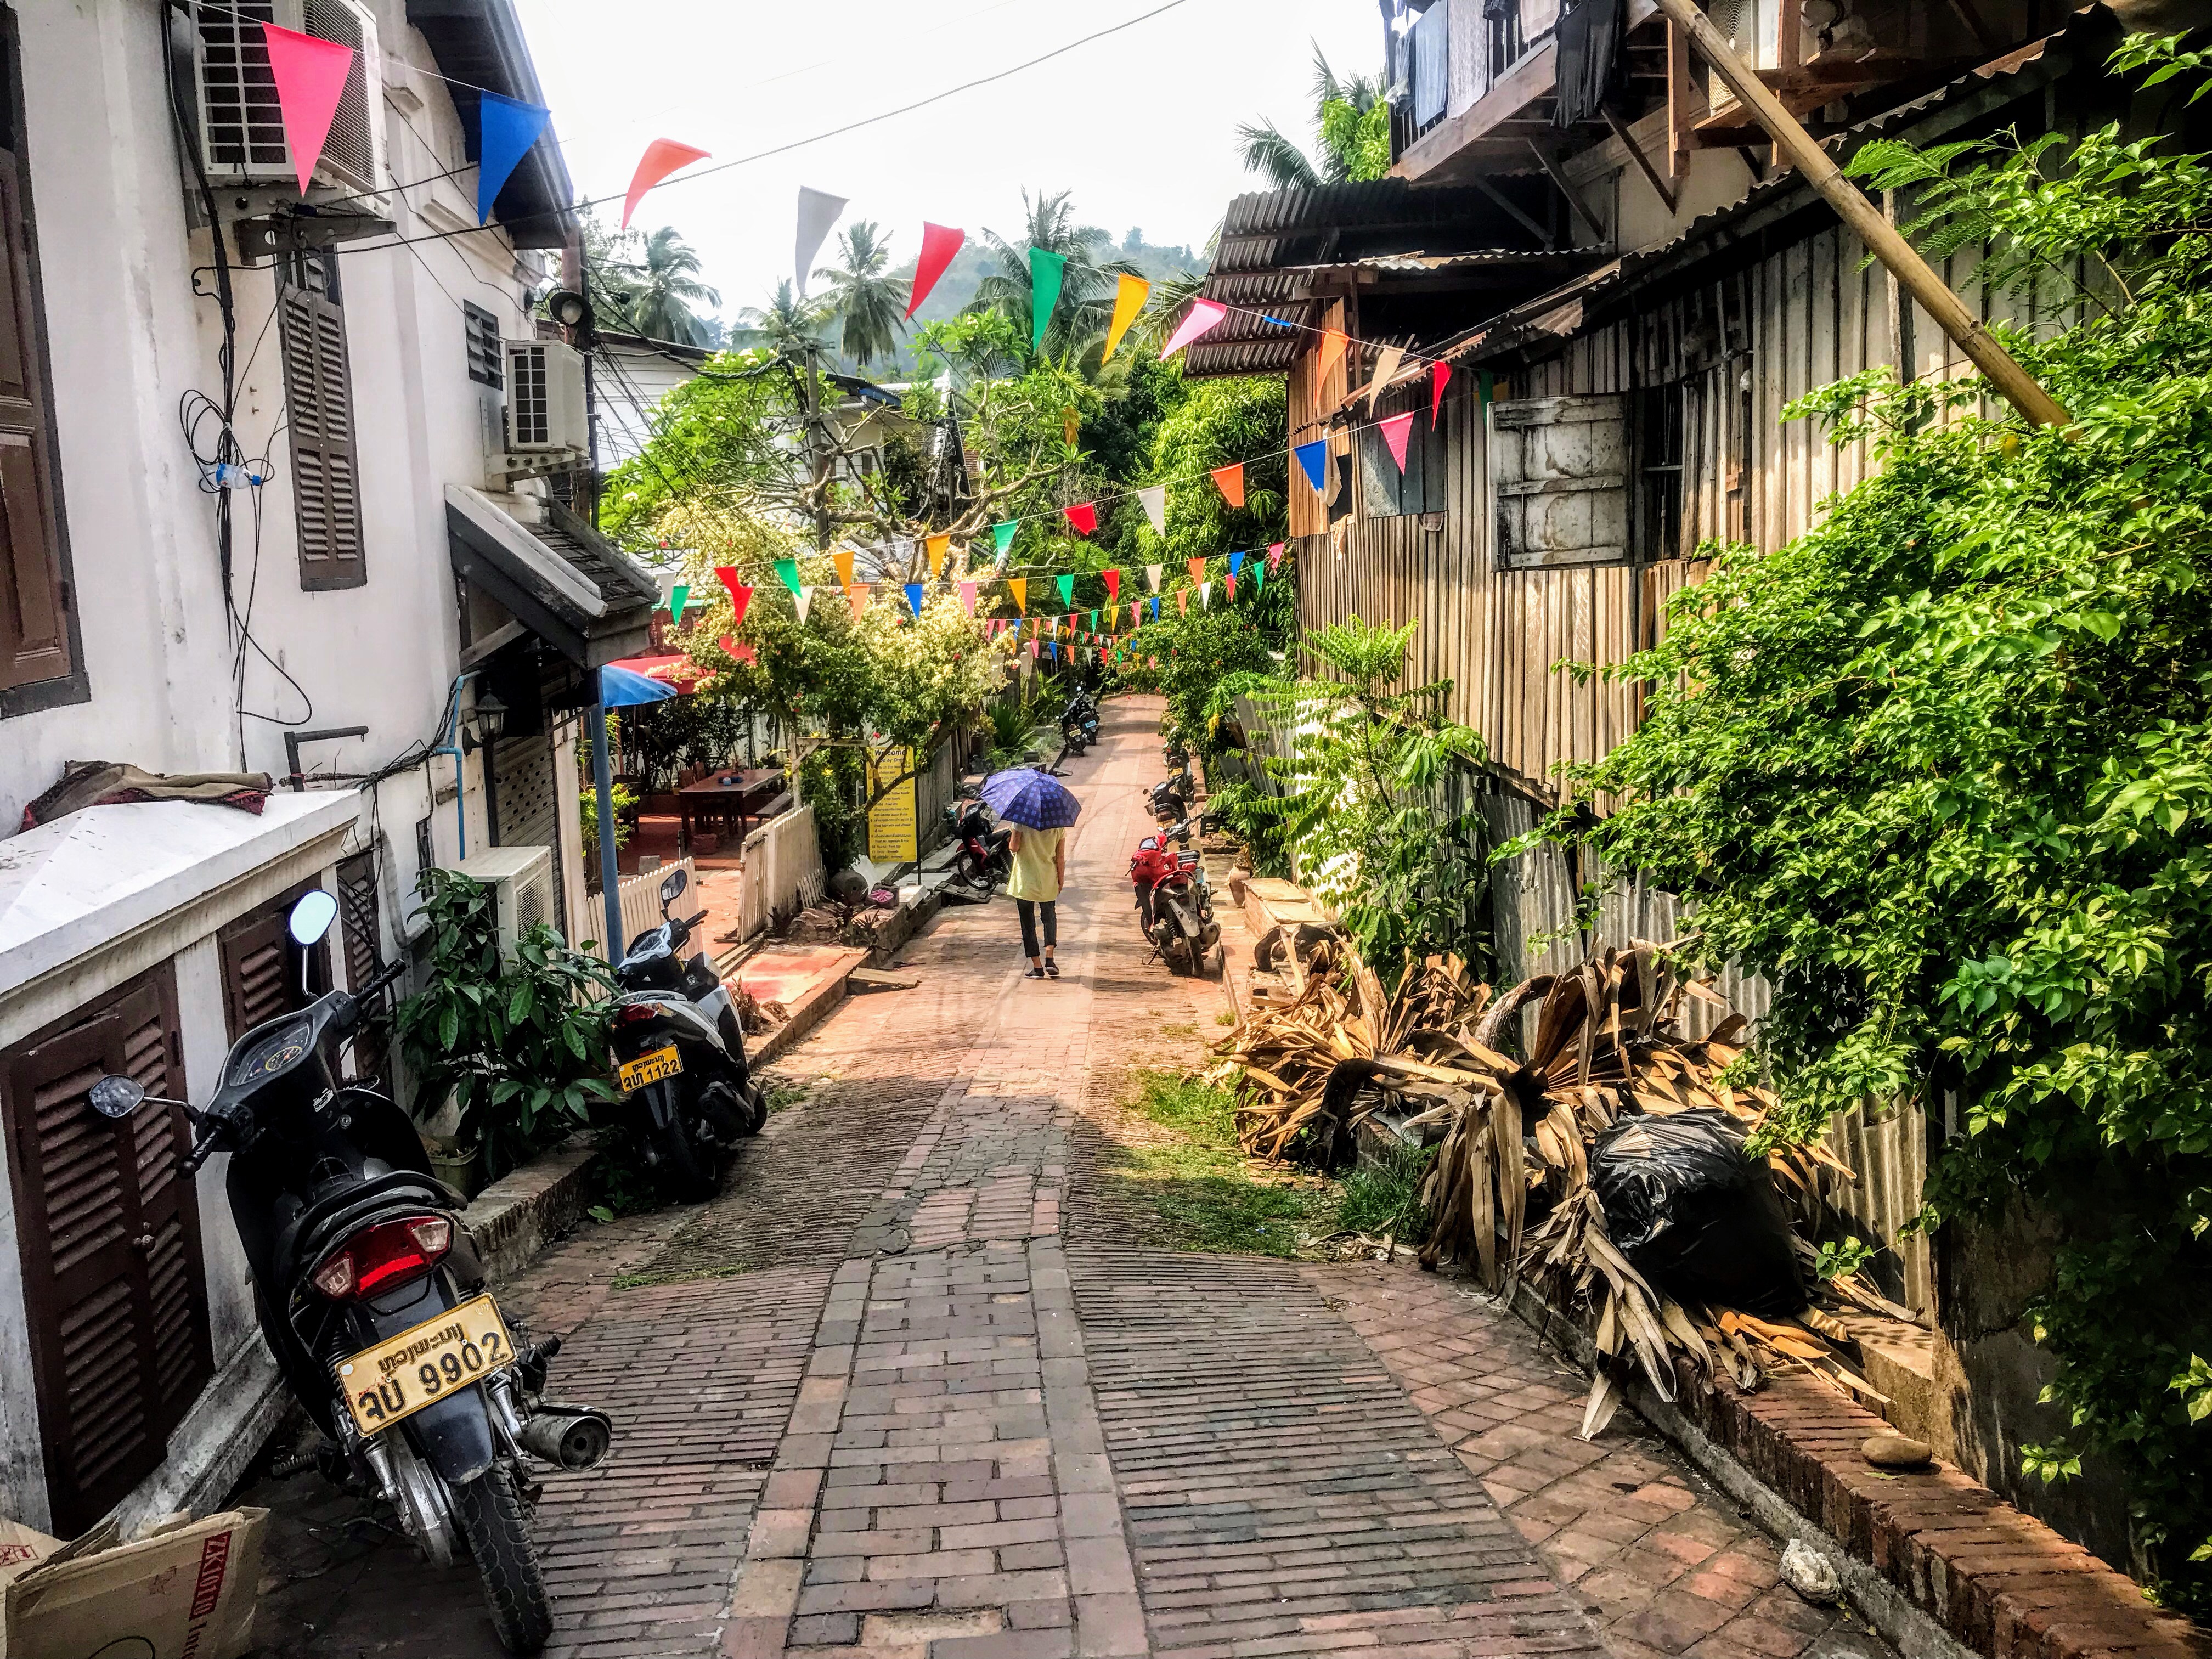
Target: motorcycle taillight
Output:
{"points": [[633, 1013], [378, 1258]]}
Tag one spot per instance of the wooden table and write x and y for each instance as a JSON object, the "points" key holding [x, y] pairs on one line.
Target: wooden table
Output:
{"points": [[741, 798]]}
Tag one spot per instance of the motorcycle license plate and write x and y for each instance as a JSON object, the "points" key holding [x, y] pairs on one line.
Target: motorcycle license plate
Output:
{"points": [[656, 1067], [402, 1374]]}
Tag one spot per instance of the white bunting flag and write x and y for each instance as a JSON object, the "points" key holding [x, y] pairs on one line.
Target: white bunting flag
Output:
{"points": [[1153, 575], [1155, 498], [1205, 595], [804, 600], [1386, 366], [817, 214]]}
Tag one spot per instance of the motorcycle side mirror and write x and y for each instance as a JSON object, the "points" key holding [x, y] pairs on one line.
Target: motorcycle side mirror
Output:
{"points": [[672, 888], [117, 1098], [311, 917]]}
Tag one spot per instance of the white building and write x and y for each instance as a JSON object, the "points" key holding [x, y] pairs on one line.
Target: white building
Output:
{"points": [[379, 560]]}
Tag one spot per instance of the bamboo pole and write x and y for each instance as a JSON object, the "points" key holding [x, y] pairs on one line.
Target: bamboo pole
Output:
{"points": [[1881, 237]]}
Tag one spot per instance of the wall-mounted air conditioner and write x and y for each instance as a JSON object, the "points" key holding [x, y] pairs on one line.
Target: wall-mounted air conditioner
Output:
{"points": [[545, 399], [521, 880], [241, 131]]}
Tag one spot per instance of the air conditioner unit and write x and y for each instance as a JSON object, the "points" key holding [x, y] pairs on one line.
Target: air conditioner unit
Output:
{"points": [[521, 880], [241, 130], [545, 399]]}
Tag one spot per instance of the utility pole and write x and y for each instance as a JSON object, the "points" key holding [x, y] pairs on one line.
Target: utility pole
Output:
{"points": [[817, 459], [2019, 387]]}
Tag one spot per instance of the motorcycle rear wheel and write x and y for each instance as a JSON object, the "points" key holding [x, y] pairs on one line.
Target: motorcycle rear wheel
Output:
{"points": [[491, 1514], [690, 1175]]}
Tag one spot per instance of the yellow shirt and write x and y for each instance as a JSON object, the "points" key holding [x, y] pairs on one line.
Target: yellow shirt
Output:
{"points": [[1036, 876]]}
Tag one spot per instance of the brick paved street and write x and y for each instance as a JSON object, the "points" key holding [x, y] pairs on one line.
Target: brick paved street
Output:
{"points": [[871, 1400]]}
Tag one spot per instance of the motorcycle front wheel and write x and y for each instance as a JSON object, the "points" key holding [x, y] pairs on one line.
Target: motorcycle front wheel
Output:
{"points": [[491, 1514]]}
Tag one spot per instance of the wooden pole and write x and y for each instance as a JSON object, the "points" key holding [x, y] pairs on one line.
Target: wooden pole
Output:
{"points": [[1881, 237]]}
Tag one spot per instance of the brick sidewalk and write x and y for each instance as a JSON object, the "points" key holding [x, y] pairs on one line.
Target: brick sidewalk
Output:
{"points": [[867, 1403]]}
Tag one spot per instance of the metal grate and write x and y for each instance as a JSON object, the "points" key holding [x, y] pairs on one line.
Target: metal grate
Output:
{"points": [[529, 400], [244, 128], [351, 147], [480, 334]]}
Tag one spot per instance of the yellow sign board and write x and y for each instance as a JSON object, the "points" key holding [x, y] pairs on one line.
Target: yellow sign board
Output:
{"points": [[892, 828]]}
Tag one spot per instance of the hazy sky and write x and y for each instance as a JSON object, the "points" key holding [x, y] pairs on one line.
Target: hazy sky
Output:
{"points": [[1140, 125]]}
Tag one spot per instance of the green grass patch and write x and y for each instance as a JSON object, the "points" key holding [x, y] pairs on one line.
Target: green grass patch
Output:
{"points": [[1199, 1189], [1385, 1197]]}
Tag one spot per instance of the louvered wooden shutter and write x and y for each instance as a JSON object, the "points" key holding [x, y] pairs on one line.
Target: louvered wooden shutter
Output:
{"points": [[1560, 472], [319, 412], [109, 1233], [255, 985], [34, 642]]}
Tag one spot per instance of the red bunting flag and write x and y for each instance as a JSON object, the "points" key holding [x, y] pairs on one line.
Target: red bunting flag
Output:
{"points": [[1197, 570], [938, 245], [1395, 431], [1231, 480], [1083, 516], [740, 595], [662, 157], [311, 76], [1230, 582], [1439, 378], [742, 652], [1113, 584]]}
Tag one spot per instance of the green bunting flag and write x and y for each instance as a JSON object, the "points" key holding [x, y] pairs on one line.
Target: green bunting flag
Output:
{"points": [[1046, 272], [786, 572], [679, 597], [1003, 535], [1259, 577], [1066, 586]]}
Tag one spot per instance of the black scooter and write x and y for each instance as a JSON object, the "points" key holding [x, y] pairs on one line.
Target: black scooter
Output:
{"points": [[372, 1301], [680, 1054], [1078, 723]]}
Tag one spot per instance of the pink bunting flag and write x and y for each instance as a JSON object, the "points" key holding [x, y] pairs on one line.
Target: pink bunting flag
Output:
{"points": [[1275, 556], [662, 157], [1203, 318], [968, 597], [311, 76], [1083, 517], [1136, 613], [1395, 431], [1439, 378], [938, 245], [740, 595], [1033, 647]]}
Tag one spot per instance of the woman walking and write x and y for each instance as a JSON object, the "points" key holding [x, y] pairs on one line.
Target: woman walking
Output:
{"points": [[1040, 872], [1042, 811]]}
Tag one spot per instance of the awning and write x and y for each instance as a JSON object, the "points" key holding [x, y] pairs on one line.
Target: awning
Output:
{"points": [[563, 580], [672, 676]]}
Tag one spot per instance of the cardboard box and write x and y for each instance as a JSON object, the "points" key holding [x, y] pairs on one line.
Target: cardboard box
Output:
{"points": [[185, 1589]]}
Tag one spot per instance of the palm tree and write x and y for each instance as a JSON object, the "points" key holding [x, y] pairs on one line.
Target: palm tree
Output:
{"points": [[1278, 159], [1086, 291], [789, 322], [872, 305], [667, 288]]}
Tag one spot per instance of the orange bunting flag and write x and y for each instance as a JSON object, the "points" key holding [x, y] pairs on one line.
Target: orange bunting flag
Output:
{"points": [[1183, 601], [662, 157], [1230, 481], [1197, 570], [842, 558], [1019, 588], [857, 597], [1333, 343], [937, 546]]}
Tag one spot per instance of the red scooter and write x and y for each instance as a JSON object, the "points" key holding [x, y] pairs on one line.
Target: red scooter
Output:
{"points": [[1174, 902], [985, 859]]}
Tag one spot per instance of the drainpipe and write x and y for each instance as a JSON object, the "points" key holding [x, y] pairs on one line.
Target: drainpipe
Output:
{"points": [[609, 861], [453, 746]]}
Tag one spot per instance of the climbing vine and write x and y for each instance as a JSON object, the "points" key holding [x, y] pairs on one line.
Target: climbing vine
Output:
{"points": [[1940, 769]]}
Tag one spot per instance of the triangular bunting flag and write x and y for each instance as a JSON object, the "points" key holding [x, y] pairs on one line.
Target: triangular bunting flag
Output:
{"points": [[1066, 586], [857, 597], [1155, 603], [1313, 460], [1019, 588], [1203, 316], [1439, 378], [1197, 569], [913, 592], [1094, 619], [742, 652], [506, 129], [786, 572], [679, 597], [1046, 272], [1205, 596], [662, 157], [937, 546], [1386, 366], [1153, 573], [1231, 482], [1155, 499], [1136, 613], [1274, 556], [1033, 647], [842, 558], [1002, 535], [968, 597], [1083, 517], [1129, 295], [1183, 601], [310, 75], [740, 595], [1236, 562], [1395, 431], [1229, 583], [1258, 579], [803, 601], [817, 212], [1112, 576], [1333, 343], [938, 245]]}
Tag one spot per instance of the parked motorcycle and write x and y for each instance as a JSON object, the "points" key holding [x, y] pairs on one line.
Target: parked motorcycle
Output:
{"points": [[679, 1054], [986, 856], [1078, 723], [1175, 901], [372, 1300]]}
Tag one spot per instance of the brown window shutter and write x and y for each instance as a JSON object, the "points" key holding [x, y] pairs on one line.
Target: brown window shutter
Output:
{"points": [[33, 623], [109, 1232], [255, 985], [361, 918], [318, 410]]}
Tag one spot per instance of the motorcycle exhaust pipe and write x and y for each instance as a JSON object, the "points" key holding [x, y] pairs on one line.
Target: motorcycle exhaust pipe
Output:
{"points": [[568, 1437]]}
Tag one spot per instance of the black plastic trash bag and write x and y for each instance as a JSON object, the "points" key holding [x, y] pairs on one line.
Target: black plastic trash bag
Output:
{"points": [[1695, 1216]]}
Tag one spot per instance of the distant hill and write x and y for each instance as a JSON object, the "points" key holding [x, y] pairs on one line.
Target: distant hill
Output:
{"points": [[956, 290]]}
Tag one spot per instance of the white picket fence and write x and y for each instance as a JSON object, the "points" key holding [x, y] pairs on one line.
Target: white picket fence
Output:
{"points": [[641, 898], [782, 870]]}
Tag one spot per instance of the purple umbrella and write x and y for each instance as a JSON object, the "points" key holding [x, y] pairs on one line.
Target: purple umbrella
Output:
{"points": [[1034, 799]]}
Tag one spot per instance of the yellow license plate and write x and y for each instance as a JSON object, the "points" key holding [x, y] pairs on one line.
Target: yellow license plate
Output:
{"points": [[655, 1067], [402, 1374]]}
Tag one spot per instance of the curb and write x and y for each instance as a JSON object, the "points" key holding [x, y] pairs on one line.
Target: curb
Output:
{"points": [[510, 1221]]}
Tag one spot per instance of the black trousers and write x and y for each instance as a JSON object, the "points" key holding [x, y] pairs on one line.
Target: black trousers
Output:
{"points": [[1028, 910]]}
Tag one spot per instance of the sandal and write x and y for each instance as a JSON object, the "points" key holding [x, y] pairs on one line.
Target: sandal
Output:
{"points": [[1051, 969]]}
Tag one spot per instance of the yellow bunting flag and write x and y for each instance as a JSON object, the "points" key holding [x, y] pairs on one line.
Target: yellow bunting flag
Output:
{"points": [[842, 558], [1128, 300], [1020, 585], [937, 545]]}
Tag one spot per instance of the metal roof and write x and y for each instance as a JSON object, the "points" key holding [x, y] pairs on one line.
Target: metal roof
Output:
{"points": [[563, 580], [479, 44]]}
